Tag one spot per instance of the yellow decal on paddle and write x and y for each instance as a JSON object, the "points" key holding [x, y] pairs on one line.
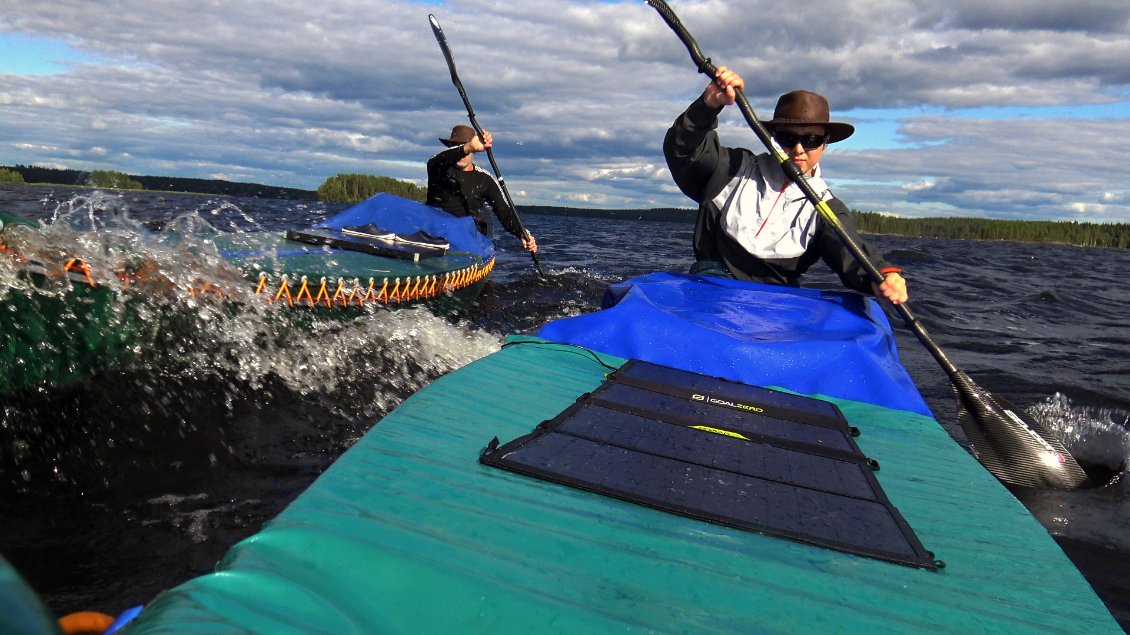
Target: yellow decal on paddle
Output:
{"points": [[725, 433], [829, 216]]}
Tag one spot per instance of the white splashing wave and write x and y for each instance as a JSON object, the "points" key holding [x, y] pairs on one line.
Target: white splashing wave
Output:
{"points": [[1097, 436]]}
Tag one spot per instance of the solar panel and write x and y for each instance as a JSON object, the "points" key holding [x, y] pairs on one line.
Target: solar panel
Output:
{"points": [[722, 452]]}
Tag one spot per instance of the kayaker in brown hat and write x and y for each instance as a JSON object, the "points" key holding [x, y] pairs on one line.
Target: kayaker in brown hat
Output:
{"points": [[754, 223], [459, 187]]}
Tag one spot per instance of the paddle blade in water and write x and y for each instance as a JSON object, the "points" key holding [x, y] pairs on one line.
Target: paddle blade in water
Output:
{"points": [[1011, 445]]}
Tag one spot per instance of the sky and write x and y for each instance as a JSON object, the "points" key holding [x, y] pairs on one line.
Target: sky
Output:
{"points": [[1001, 109]]}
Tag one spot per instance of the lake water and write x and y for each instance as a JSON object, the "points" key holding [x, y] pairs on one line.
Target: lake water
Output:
{"points": [[135, 479]]}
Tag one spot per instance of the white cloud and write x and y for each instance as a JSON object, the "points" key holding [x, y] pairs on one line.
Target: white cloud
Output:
{"points": [[918, 186]]}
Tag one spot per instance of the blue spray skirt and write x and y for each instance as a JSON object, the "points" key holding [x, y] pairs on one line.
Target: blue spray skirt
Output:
{"points": [[812, 342]]}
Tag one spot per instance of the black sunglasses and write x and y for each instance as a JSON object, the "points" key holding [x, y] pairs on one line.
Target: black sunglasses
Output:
{"points": [[807, 141]]}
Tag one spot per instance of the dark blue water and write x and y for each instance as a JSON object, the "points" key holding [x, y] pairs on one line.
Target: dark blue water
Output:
{"points": [[137, 478]]}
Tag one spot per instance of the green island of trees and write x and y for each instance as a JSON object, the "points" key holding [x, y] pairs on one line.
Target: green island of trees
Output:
{"points": [[354, 188], [112, 179], [8, 175]]}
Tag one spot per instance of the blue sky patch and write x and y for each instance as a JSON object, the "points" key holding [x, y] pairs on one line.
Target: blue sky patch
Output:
{"points": [[30, 55]]}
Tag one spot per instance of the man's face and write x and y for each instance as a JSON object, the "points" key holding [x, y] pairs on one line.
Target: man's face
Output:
{"points": [[802, 144]]}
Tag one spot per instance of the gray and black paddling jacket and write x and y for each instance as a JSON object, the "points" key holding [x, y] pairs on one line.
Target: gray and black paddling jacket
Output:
{"points": [[751, 218], [469, 193]]}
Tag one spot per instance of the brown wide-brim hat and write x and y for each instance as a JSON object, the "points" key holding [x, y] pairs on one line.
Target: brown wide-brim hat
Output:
{"points": [[804, 108], [459, 135]]}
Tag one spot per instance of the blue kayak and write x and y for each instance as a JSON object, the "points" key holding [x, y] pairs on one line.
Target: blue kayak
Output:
{"points": [[383, 251]]}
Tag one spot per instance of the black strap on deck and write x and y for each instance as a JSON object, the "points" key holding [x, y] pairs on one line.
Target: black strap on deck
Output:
{"points": [[723, 452]]}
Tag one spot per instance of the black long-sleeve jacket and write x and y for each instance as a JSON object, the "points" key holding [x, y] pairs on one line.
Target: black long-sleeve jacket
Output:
{"points": [[751, 218], [468, 192]]}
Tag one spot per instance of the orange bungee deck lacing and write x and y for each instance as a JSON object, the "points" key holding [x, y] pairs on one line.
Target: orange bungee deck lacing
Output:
{"points": [[78, 265], [72, 266], [344, 293]]}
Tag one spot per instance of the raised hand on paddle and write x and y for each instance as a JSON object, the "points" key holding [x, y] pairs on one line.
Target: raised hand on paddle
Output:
{"points": [[721, 91]]}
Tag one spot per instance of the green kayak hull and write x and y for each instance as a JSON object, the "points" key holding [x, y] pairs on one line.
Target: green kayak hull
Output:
{"points": [[22, 612], [51, 338]]}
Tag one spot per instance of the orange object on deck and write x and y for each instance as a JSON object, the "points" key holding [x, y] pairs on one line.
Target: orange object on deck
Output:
{"points": [[84, 622]]}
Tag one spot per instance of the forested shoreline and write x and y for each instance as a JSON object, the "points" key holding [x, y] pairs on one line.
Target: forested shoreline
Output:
{"points": [[1115, 235], [351, 188], [57, 176]]}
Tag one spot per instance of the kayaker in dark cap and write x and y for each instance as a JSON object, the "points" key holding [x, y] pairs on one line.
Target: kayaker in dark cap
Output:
{"points": [[754, 223], [459, 187]]}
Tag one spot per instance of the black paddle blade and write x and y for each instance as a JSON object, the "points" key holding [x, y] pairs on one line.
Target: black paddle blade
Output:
{"points": [[1015, 448]]}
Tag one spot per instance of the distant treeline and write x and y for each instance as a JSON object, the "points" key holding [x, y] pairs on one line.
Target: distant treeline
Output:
{"points": [[1064, 232], [53, 176], [1032, 231]]}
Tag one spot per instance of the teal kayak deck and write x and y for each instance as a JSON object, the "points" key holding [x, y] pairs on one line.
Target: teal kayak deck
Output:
{"points": [[407, 532]]}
